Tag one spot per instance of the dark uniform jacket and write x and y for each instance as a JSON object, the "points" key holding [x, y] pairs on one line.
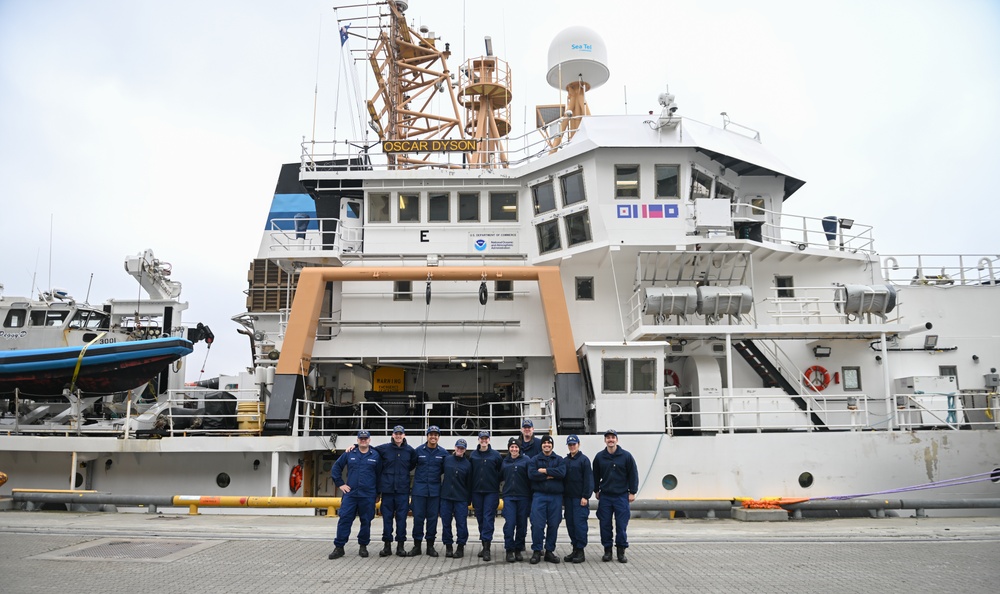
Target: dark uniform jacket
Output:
{"points": [[362, 471], [579, 481], [514, 474], [427, 474], [615, 474], [552, 482], [397, 462], [456, 482], [485, 470]]}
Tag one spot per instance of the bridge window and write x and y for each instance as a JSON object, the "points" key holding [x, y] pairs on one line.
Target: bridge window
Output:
{"points": [[409, 208], [544, 196], [503, 290], [725, 192], [613, 374], [548, 236], [468, 207], [643, 374], [667, 181], [503, 206], [402, 291], [15, 318], [378, 208], [626, 181], [584, 288], [701, 184], [438, 210], [578, 228], [572, 188]]}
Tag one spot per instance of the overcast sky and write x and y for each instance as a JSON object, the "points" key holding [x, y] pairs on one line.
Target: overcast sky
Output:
{"points": [[135, 124]]}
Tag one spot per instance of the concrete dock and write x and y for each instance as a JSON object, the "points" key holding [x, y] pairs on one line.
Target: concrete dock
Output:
{"points": [[106, 553]]}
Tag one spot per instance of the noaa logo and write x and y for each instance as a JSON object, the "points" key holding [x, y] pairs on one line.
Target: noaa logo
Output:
{"points": [[480, 245]]}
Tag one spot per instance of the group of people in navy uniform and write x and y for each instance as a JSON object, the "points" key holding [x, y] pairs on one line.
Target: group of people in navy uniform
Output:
{"points": [[533, 481]]}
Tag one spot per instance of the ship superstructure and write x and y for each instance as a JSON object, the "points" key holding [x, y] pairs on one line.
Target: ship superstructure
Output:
{"points": [[641, 273]]}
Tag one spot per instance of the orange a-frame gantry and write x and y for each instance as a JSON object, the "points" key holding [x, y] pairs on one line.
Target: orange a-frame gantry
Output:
{"points": [[300, 335]]}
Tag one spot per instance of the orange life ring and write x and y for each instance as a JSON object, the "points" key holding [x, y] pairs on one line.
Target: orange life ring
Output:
{"points": [[673, 377], [817, 378], [295, 478]]}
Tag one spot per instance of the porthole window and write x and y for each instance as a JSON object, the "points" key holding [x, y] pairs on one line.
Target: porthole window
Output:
{"points": [[222, 480], [669, 482], [805, 480]]}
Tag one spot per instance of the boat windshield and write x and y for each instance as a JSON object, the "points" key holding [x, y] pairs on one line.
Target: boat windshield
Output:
{"points": [[90, 320], [48, 317]]}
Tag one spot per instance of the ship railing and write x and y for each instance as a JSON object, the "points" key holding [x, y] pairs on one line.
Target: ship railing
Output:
{"points": [[349, 155], [833, 233], [183, 412], [313, 234], [942, 270], [453, 418], [971, 409], [760, 412], [816, 305]]}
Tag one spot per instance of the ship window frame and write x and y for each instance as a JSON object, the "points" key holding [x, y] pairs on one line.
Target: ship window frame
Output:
{"points": [[699, 177], [550, 227], [379, 213], [431, 196], [852, 378], [635, 375], [46, 318], [402, 290], [412, 211], [949, 371], [463, 201], [573, 192], [677, 184], [552, 203], [503, 290], [605, 375], [584, 294], [17, 322], [585, 213], [783, 290], [623, 189], [498, 210], [731, 196]]}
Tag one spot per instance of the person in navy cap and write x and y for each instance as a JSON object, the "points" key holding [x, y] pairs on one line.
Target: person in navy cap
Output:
{"points": [[364, 465], [578, 486], [456, 495], [530, 445], [616, 481], [426, 497], [546, 472], [516, 500], [486, 464], [398, 459]]}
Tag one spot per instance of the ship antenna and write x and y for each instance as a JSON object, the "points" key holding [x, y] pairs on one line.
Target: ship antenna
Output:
{"points": [[89, 285], [319, 44]]}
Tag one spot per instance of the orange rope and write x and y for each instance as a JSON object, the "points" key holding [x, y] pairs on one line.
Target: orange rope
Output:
{"points": [[775, 503]]}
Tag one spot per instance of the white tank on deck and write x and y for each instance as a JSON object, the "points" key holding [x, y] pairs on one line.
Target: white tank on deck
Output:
{"points": [[578, 53]]}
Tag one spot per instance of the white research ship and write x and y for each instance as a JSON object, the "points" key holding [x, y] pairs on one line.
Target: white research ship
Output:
{"points": [[639, 273]]}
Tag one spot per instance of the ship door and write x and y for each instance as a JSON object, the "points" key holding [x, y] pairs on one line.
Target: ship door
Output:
{"points": [[350, 232]]}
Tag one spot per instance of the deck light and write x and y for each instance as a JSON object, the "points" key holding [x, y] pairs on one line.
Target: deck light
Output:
{"points": [[930, 342], [822, 351]]}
